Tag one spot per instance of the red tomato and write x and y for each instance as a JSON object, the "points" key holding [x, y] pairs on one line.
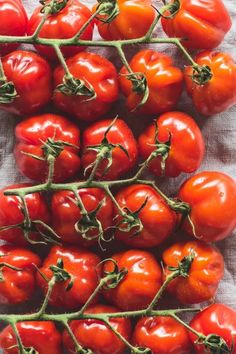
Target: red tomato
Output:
{"points": [[66, 214], [219, 93], [139, 286], [186, 150], [13, 22], [17, 286], [212, 198], [157, 218], [42, 336], [205, 272], [201, 23], [34, 133], [95, 335], [32, 78], [96, 72], [216, 319], [81, 266], [162, 335], [120, 134], [11, 214], [164, 80], [62, 25]]}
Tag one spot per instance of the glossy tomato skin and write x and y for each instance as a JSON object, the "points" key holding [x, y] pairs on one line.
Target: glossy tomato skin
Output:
{"points": [[32, 133], [218, 94], [201, 23], [163, 335], [95, 70], [62, 25], [121, 134], [32, 78], [82, 265], [187, 144], [205, 274], [133, 21], [156, 216], [94, 334], [212, 198], [216, 319], [165, 82], [11, 214], [17, 285], [41, 335], [65, 214], [139, 286]]}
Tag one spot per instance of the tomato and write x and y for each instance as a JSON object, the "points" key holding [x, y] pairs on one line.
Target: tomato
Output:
{"points": [[185, 151], [219, 93], [202, 24], [32, 78], [212, 198], [157, 218], [216, 319], [133, 20], [99, 75], [13, 22], [81, 265], [11, 214], [17, 285], [62, 25], [42, 336], [139, 286], [42, 135], [205, 272], [119, 134], [95, 335], [66, 214], [163, 335]]}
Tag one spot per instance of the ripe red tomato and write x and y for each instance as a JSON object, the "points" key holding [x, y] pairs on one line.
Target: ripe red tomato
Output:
{"points": [[41, 335], [120, 134], [164, 80], [216, 319], [62, 25], [81, 265], [95, 335], [32, 78], [45, 134], [66, 214], [11, 214], [96, 72], [162, 335], [157, 218], [17, 286], [205, 272], [212, 198], [201, 23], [139, 286], [219, 93], [186, 149], [13, 22]]}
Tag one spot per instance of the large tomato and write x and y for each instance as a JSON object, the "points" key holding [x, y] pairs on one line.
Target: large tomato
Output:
{"points": [[219, 93], [180, 143], [212, 199], [119, 134], [32, 78], [99, 75], [139, 286], [62, 25], [43, 135], [95, 335], [205, 271], [202, 24]]}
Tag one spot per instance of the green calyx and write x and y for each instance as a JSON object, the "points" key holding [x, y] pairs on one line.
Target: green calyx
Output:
{"points": [[76, 87], [52, 7], [113, 278], [7, 92], [61, 275], [184, 266], [215, 344], [201, 74], [139, 86], [108, 9]]}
